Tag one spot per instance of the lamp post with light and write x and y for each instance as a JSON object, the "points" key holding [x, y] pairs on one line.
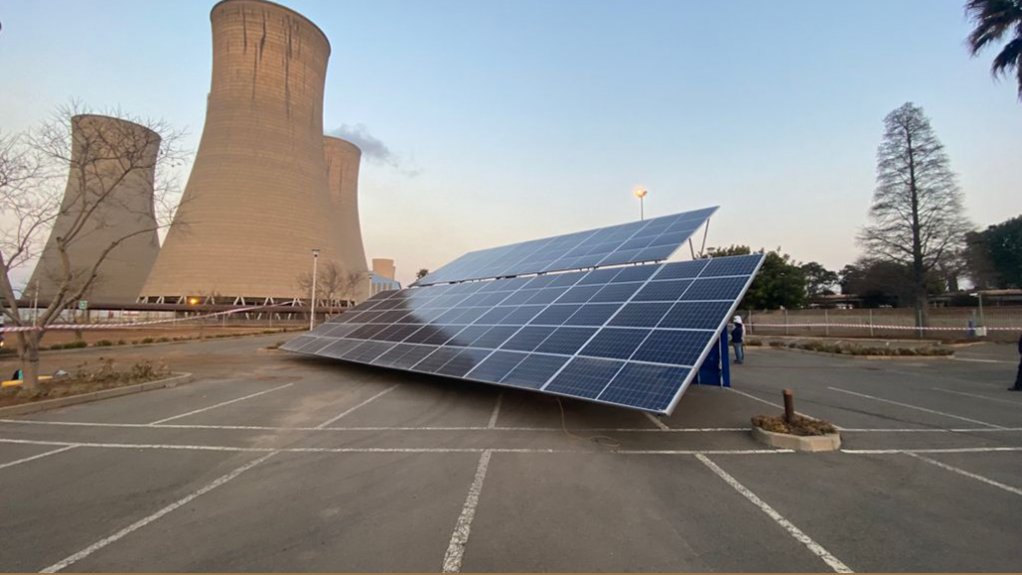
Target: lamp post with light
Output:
{"points": [[312, 312], [641, 194]]}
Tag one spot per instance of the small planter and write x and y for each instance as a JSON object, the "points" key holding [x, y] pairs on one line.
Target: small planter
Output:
{"points": [[826, 442]]}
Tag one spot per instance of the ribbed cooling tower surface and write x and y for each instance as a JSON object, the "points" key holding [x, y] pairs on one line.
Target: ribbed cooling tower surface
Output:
{"points": [[112, 166], [342, 162], [256, 203]]}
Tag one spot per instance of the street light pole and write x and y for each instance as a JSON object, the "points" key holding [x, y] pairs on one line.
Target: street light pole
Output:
{"points": [[312, 312], [641, 194]]}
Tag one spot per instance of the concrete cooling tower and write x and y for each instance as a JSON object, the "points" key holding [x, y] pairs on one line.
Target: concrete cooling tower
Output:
{"points": [[257, 202], [342, 163], [103, 151]]}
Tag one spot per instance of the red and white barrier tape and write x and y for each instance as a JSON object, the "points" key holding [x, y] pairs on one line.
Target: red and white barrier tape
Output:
{"points": [[126, 325], [754, 325]]}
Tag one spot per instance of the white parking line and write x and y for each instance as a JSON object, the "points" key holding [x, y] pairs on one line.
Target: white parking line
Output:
{"points": [[34, 457], [459, 538], [978, 396], [68, 561], [222, 403], [385, 428], [917, 408], [930, 429], [933, 450], [230, 448], [831, 561], [656, 421], [373, 398], [777, 405], [496, 412], [968, 474]]}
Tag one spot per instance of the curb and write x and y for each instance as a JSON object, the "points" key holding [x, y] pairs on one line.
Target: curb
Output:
{"points": [[852, 356], [35, 406], [829, 442]]}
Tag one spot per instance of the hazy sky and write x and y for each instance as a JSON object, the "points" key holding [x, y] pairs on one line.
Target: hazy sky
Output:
{"points": [[494, 121]]}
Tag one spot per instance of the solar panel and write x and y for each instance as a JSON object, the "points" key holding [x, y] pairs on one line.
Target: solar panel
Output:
{"points": [[643, 241], [630, 336]]}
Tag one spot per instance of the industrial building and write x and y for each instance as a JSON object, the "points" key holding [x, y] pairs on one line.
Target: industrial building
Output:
{"points": [[112, 166], [265, 189]]}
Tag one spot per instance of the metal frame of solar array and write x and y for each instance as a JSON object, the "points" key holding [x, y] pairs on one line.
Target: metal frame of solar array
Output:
{"points": [[649, 240], [631, 336]]}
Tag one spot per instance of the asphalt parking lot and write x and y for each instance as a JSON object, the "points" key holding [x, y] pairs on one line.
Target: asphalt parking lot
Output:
{"points": [[271, 462]]}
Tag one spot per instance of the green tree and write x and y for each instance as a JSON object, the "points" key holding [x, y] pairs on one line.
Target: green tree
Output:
{"points": [[780, 282], [994, 256], [819, 280], [917, 217], [421, 274], [882, 283], [994, 20]]}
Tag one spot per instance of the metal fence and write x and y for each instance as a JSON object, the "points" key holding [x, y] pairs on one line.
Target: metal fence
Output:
{"points": [[997, 323]]}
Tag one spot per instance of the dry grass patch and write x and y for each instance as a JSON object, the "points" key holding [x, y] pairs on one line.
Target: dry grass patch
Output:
{"points": [[86, 378], [799, 425]]}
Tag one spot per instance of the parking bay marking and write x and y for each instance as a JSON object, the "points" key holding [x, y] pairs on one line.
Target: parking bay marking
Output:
{"points": [[377, 428], [229, 448], [968, 474], [978, 396], [222, 403], [917, 408], [349, 410], [831, 561], [37, 456], [459, 538], [70, 560]]}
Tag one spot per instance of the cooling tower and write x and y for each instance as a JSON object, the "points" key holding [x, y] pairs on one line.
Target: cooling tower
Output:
{"points": [[384, 268], [112, 166], [342, 162], [256, 202]]}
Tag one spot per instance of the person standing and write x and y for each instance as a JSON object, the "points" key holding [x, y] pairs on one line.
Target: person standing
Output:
{"points": [[1018, 376], [738, 339]]}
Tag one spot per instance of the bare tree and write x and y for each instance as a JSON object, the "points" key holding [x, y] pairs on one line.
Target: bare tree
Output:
{"points": [[353, 284], [917, 213], [96, 162], [329, 282]]}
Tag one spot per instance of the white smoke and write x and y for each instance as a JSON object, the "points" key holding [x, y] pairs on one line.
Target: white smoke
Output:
{"points": [[373, 149]]}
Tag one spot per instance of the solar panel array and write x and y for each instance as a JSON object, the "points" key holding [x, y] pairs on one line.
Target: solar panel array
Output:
{"points": [[643, 241], [631, 336]]}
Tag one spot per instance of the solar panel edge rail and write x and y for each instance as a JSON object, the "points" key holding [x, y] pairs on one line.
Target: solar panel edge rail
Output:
{"points": [[630, 336], [650, 240]]}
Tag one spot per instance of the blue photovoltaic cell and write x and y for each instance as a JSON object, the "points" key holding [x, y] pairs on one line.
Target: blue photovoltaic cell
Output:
{"points": [[645, 386], [616, 292], [496, 366], [413, 356], [534, 371], [646, 240], [615, 343], [668, 290], [696, 315], [584, 377], [632, 336], [715, 289], [640, 314], [732, 266], [528, 338], [436, 360], [555, 314], [494, 337], [566, 340], [593, 314], [463, 362], [681, 270], [675, 347]]}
